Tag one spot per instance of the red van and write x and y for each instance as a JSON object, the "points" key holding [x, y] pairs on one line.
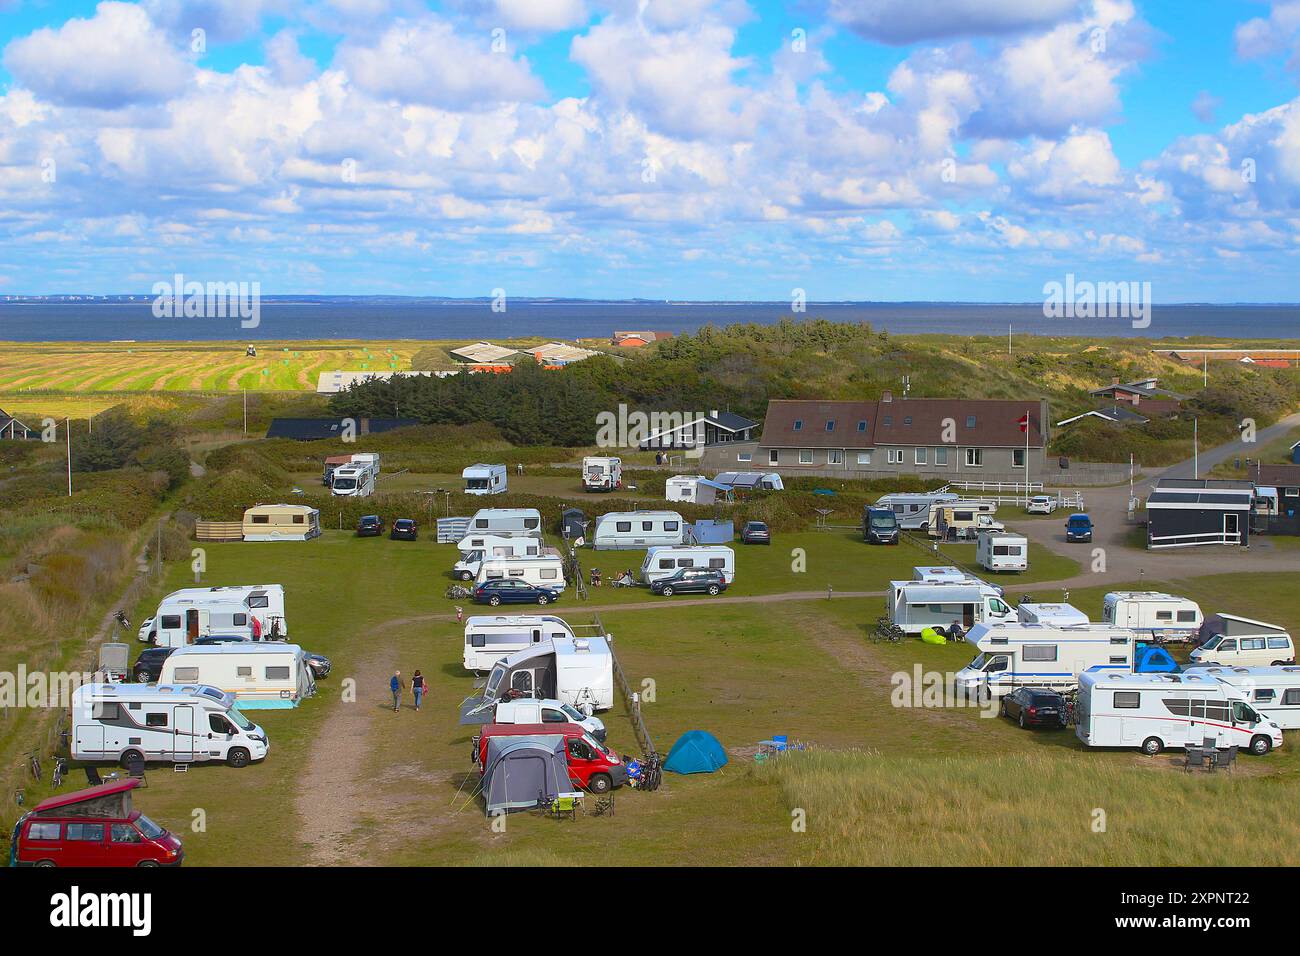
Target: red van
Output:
{"points": [[94, 827], [592, 765]]}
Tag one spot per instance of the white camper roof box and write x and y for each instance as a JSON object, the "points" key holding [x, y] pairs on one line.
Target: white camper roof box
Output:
{"points": [[937, 573], [1058, 615]]}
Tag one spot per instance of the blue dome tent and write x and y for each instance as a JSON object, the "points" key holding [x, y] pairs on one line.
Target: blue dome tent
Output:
{"points": [[696, 751]]}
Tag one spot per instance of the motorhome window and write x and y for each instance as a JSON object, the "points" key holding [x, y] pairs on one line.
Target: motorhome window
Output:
{"points": [[186, 675], [1039, 652], [549, 574], [1243, 713], [670, 525], [1196, 707], [155, 720], [998, 607], [88, 832], [1291, 697], [623, 526], [478, 640], [1186, 617], [239, 620], [124, 833], [1279, 643], [261, 519], [1178, 706], [718, 564], [522, 681], [647, 525], [686, 562], [107, 711], [1164, 615], [998, 663], [1002, 549], [1119, 660], [259, 600], [243, 671], [1265, 694], [531, 523], [169, 622], [43, 831], [242, 722], [219, 724], [1015, 551], [1218, 710], [299, 519], [963, 516], [481, 522], [1128, 700], [277, 673]]}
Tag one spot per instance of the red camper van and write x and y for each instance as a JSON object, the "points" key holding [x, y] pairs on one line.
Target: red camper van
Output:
{"points": [[592, 765], [94, 827]]}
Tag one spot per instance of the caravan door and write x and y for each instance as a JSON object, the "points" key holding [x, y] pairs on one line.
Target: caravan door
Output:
{"points": [[523, 683], [191, 625], [183, 733], [89, 740]]}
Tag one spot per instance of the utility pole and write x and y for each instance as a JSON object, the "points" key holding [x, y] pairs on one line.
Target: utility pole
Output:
{"points": [[1008, 338], [245, 391], [67, 427], [1196, 473]]}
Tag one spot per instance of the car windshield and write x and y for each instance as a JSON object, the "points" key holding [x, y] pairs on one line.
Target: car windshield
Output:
{"points": [[884, 522], [1213, 642], [1079, 521], [151, 830], [240, 721], [977, 664], [573, 712], [345, 484], [591, 742]]}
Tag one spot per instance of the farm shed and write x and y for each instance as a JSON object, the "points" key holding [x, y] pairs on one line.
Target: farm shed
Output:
{"points": [[1183, 512]]}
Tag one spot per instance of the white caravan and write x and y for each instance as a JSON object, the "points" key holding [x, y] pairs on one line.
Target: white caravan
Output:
{"points": [[661, 562], [484, 479], [1057, 615], [190, 613], [1002, 551], [602, 474], [352, 481], [489, 638], [1273, 691], [1241, 642], [964, 519], [693, 489], [913, 510], [1152, 613], [175, 723], [1155, 711], [259, 675], [578, 671], [634, 530], [503, 523], [547, 712], [545, 570], [494, 546], [1015, 655], [916, 605]]}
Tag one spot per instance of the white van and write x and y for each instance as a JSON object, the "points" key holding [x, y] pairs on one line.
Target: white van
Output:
{"points": [[1002, 551], [494, 546], [1015, 655], [526, 711], [269, 675], [916, 605], [914, 510], [663, 561], [502, 522], [1241, 642], [1273, 691], [353, 481], [174, 723], [489, 638], [484, 479], [602, 474], [1155, 711], [545, 570], [634, 530], [1154, 613]]}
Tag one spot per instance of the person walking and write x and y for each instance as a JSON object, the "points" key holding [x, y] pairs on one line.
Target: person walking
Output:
{"points": [[418, 688], [397, 685], [460, 614]]}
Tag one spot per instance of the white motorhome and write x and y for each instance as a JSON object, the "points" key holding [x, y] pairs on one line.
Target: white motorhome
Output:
{"points": [[544, 570], [502, 523], [368, 459], [694, 489], [602, 474], [1155, 711], [1273, 691], [174, 723], [913, 510], [547, 712], [489, 638], [916, 605], [352, 481], [1057, 615], [190, 613], [578, 671], [484, 479], [494, 546], [634, 530], [660, 562], [937, 573], [1002, 551], [259, 675], [1241, 642], [964, 519], [1153, 613], [1014, 655]]}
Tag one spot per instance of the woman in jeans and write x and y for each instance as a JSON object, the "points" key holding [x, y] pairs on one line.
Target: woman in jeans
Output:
{"points": [[418, 688]]}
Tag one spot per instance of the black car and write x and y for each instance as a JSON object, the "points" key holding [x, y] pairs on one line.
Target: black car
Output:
{"points": [[149, 666], [880, 526], [511, 591], [370, 526], [404, 529], [687, 580], [1034, 707], [755, 532]]}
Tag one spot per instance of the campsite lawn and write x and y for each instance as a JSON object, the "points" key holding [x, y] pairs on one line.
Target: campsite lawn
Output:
{"points": [[355, 782]]}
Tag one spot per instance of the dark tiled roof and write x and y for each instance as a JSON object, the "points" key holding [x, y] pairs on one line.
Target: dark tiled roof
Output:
{"points": [[1278, 475], [313, 429], [989, 423], [779, 428]]}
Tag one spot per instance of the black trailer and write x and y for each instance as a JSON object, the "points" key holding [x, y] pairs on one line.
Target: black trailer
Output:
{"points": [[1184, 512]]}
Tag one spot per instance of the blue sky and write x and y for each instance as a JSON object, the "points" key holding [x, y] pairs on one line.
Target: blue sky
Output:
{"points": [[692, 149]]}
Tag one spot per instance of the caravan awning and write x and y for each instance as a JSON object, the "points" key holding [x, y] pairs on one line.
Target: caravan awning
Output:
{"points": [[963, 594]]}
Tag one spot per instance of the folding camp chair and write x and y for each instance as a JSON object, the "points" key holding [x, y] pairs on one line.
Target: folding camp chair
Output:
{"points": [[135, 768], [1226, 758], [1193, 757], [566, 805], [1210, 743]]}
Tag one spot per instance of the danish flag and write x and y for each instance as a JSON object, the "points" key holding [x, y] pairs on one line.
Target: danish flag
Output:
{"points": [[1023, 422]]}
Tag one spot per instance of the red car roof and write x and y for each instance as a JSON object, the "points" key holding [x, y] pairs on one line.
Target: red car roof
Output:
{"points": [[519, 730], [90, 793]]}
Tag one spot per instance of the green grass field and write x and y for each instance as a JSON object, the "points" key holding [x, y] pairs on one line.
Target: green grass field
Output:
{"points": [[349, 781]]}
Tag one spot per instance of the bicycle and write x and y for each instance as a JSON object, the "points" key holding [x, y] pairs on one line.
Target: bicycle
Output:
{"points": [[34, 763], [458, 593], [887, 630], [60, 769]]}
